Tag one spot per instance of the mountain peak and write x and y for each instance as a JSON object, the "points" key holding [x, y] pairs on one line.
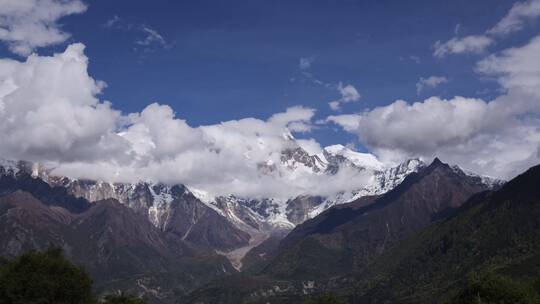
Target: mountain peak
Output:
{"points": [[361, 160], [436, 162]]}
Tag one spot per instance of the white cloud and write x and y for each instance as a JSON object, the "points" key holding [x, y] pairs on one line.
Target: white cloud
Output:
{"points": [[430, 82], [148, 38], [515, 19], [310, 145], [156, 132], [500, 137], [349, 122], [28, 24], [225, 158], [515, 68], [296, 119], [151, 37], [468, 44], [50, 112], [416, 59], [334, 105], [348, 94], [305, 74], [113, 22], [306, 62]]}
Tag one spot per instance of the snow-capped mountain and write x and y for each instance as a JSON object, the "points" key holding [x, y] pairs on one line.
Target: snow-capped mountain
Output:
{"points": [[339, 155], [230, 222], [330, 160], [172, 209]]}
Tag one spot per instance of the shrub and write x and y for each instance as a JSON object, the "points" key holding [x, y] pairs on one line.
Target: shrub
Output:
{"points": [[489, 288], [44, 277]]}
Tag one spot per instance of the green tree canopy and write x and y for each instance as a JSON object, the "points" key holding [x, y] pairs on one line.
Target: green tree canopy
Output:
{"points": [[490, 288], [43, 278]]}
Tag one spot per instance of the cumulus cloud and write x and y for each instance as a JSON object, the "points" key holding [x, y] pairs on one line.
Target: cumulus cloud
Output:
{"points": [[500, 137], [348, 94], [516, 69], [49, 109], [296, 119], [515, 19], [50, 112], [28, 24], [468, 44], [430, 82], [240, 157], [349, 122], [311, 146]]}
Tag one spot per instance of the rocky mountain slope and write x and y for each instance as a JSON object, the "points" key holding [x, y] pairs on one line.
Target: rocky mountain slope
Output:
{"points": [[120, 248], [495, 232], [165, 241], [171, 209], [351, 235], [229, 224], [326, 250]]}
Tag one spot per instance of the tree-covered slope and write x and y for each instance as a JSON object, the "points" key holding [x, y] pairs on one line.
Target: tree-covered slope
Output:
{"points": [[496, 232]]}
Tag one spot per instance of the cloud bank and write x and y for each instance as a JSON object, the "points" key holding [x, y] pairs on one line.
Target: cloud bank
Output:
{"points": [[499, 137], [50, 112]]}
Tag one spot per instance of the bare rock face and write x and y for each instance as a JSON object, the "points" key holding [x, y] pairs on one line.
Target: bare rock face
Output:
{"points": [[227, 224], [172, 209], [298, 156], [119, 247], [26, 223], [298, 209], [349, 236], [419, 243], [274, 216]]}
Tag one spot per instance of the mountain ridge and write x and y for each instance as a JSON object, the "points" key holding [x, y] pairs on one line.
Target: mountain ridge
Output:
{"points": [[318, 257], [492, 232], [230, 225]]}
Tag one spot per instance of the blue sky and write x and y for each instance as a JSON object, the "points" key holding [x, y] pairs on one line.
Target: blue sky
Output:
{"points": [[226, 60], [398, 79]]}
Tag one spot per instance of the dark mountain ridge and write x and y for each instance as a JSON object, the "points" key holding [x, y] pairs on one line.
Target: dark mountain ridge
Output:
{"points": [[52, 196], [494, 232], [119, 247], [351, 235], [335, 250], [339, 250]]}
